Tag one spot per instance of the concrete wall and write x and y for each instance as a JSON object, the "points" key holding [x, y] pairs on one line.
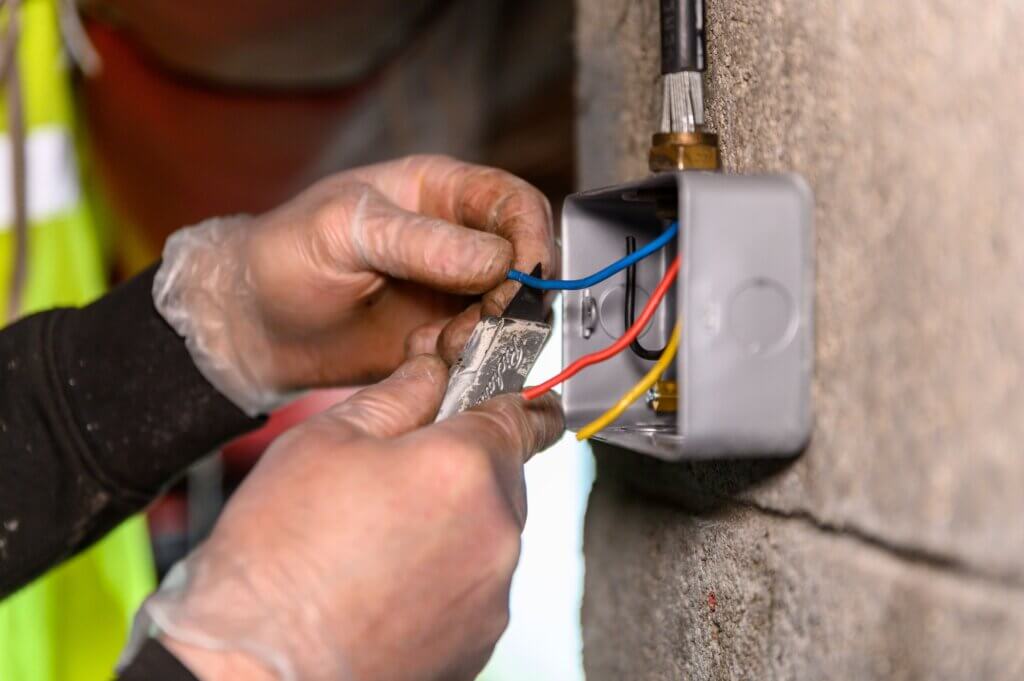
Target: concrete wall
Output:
{"points": [[894, 548]]}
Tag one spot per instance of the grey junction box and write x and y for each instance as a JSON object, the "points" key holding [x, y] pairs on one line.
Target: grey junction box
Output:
{"points": [[744, 296]]}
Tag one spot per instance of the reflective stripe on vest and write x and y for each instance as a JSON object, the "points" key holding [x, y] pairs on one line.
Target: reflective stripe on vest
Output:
{"points": [[52, 182]]}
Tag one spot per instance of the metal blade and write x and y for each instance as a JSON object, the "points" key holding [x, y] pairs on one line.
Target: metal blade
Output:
{"points": [[499, 354]]}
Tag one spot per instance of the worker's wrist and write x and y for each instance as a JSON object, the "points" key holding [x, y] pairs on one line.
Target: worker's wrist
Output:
{"points": [[226, 614], [217, 665], [203, 290]]}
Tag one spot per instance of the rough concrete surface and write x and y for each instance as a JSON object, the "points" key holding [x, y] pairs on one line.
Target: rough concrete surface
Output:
{"points": [[907, 119], [739, 595]]}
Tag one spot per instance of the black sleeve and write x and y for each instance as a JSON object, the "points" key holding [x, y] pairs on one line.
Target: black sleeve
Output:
{"points": [[156, 663], [100, 408]]}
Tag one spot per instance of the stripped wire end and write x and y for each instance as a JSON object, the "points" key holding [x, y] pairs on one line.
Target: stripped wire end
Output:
{"points": [[682, 104]]}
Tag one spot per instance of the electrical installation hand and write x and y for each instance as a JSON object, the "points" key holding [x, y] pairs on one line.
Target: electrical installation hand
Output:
{"points": [[341, 283], [366, 544]]}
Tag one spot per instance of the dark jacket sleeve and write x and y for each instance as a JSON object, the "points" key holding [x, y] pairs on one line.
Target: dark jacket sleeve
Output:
{"points": [[100, 408], [155, 663]]}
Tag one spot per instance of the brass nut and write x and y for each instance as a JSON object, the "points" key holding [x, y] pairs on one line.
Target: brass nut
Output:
{"points": [[663, 397], [684, 151]]}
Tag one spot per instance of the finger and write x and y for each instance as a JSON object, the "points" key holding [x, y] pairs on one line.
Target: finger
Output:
{"points": [[453, 337], [510, 430], [406, 400], [547, 424], [498, 298], [483, 198], [427, 250], [495, 201], [452, 340], [507, 426], [423, 340], [509, 423]]}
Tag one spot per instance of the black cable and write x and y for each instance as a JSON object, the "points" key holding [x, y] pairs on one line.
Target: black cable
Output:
{"points": [[630, 307], [682, 36]]}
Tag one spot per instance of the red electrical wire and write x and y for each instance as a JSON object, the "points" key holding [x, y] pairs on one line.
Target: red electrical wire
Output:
{"points": [[616, 347]]}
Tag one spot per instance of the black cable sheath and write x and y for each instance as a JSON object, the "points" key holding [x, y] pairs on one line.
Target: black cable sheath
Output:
{"points": [[682, 35], [630, 307]]}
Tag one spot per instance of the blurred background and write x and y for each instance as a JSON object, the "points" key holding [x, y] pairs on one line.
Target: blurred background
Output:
{"points": [[167, 113]]}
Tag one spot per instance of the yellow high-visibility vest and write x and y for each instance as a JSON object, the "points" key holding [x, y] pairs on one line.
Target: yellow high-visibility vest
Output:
{"points": [[70, 624]]}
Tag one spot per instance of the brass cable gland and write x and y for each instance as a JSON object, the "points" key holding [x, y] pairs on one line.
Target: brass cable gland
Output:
{"points": [[672, 151]]}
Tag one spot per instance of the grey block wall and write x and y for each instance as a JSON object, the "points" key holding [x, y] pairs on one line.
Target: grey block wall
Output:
{"points": [[894, 547]]}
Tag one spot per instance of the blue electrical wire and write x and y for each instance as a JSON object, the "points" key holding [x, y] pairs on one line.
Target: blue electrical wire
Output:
{"points": [[597, 277]]}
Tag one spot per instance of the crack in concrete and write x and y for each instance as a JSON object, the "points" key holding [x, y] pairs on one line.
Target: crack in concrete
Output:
{"points": [[702, 487], [910, 554]]}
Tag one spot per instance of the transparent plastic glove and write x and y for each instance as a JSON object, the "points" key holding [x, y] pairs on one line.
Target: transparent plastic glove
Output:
{"points": [[366, 544], [341, 283]]}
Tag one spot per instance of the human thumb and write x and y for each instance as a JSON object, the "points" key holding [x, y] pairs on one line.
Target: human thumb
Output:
{"points": [[407, 399]]}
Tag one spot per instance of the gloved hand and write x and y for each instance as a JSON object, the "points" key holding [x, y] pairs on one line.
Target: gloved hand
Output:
{"points": [[341, 283], [364, 548]]}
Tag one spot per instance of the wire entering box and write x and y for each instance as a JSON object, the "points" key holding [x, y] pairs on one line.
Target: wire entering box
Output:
{"points": [[740, 382]]}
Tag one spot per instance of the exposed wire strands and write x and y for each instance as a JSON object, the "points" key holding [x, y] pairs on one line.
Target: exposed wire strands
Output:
{"points": [[636, 392], [663, 239], [616, 347], [682, 61], [682, 102]]}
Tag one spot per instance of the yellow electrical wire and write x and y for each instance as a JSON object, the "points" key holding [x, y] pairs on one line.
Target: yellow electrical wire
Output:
{"points": [[634, 393]]}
